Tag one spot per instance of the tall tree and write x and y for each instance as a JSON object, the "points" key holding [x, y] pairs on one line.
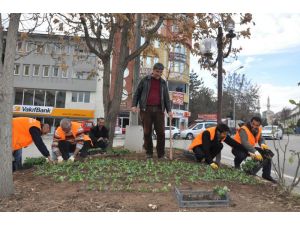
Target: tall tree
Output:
{"points": [[201, 98], [7, 55], [237, 87], [108, 35]]}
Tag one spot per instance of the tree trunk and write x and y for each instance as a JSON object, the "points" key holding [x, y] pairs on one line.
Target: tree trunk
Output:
{"points": [[6, 106]]}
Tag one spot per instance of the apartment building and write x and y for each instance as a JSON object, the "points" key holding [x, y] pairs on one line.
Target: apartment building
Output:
{"points": [[56, 77]]}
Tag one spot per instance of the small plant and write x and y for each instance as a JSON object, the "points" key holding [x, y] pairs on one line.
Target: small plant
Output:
{"points": [[251, 166], [221, 191], [30, 162]]}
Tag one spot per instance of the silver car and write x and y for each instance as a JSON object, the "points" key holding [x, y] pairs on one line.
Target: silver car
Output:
{"points": [[196, 129], [272, 132]]}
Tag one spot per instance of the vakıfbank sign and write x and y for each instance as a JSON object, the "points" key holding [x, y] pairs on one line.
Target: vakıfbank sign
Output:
{"points": [[51, 111], [32, 109]]}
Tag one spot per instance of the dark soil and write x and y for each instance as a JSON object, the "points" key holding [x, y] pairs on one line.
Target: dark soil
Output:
{"points": [[36, 193]]}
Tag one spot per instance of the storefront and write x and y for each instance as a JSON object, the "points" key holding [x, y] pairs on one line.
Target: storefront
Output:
{"points": [[180, 119], [51, 115]]}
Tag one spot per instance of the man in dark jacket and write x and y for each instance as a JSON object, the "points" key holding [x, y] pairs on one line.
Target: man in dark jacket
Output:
{"points": [[152, 95], [99, 134]]}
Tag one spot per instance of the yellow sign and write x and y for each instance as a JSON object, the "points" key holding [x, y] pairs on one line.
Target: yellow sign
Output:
{"points": [[50, 111]]}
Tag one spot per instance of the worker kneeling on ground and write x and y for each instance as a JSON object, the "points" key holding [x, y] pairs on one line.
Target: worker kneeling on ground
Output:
{"points": [[69, 138], [26, 130], [249, 135], [208, 144]]}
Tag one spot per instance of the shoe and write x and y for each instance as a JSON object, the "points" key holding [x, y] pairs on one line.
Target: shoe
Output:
{"points": [[149, 157], [163, 158], [269, 178]]}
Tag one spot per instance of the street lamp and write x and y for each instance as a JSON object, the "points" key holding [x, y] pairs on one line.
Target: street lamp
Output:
{"points": [[206, 47], [234, 74]]}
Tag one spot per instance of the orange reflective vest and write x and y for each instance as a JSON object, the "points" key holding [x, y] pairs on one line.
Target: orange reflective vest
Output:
{"points": [[20, 131], [75, 128], [251, 139], [198, 140]]}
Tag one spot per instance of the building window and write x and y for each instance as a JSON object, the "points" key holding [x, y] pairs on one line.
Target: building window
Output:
{"points": [[38, 47], [148, 62], [177, 67], [46, 71], [155, 60], [39, 97], [19, 46], [17, 69], [156, 44], [29, 46], [180, 49], [55, 71], [50, 98], [81, 97], [36, 70], [173, 86], [18, 96], [26, 70], [28, 96], [64, 73], [60, 99], [46, 48]]}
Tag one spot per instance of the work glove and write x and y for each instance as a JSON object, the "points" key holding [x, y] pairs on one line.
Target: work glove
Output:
{"points": [[71, 159], [258, 156], [60, 159], [214, 166], [49, 160], [264, 146]]}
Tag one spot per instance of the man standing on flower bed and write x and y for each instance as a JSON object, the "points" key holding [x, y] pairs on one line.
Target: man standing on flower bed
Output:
{"points": [[152, 95]]}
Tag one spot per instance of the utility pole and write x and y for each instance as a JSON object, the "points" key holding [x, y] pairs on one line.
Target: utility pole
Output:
{"points": [[133, 120], [220, 80]]}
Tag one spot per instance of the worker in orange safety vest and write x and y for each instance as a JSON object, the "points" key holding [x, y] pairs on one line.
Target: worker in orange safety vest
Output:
{"points": [[208, 144], [25, 131]]}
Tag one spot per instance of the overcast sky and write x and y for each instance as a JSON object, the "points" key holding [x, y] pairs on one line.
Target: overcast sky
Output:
{"points": [[270, 59]]}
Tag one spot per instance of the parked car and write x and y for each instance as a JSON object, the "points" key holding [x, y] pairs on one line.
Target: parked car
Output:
{"points": [[272, 132], [196, 129], [118, 130], [174, 131], [86, 125]]}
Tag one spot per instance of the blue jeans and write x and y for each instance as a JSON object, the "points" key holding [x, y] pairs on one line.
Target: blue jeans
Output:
{"points": [[17, 161]]}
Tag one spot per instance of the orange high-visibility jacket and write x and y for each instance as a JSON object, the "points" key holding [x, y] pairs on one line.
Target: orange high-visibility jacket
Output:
{"points": [[198, 140], [76, 130], [251, 139], [20, 131]]}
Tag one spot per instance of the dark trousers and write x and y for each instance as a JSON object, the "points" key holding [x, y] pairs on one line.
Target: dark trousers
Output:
{"points": [[154, 116], [17, 160], [200, 154], [241, 155], [100, 144], [65, 147]]}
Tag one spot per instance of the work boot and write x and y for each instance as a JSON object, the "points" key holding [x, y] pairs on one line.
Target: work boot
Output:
{"points": [[269, 178]]}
